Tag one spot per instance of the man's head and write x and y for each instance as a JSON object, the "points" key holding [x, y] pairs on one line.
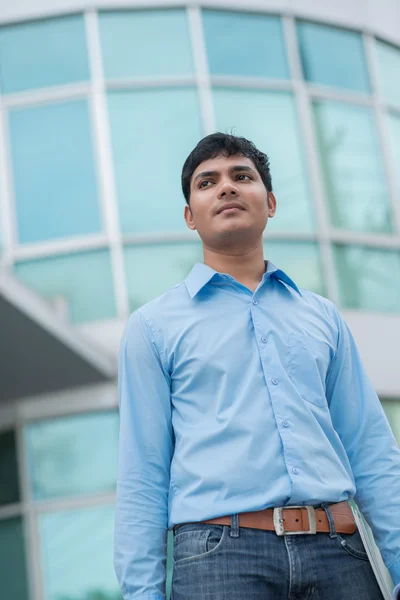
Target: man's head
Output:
{"points": [[221, 170]]}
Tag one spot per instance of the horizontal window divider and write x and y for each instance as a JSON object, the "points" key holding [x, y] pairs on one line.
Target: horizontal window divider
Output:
{"points": [[329, 93], [151, 82], [58, 247], [73, 502], [251, 82], [8, 511], [353, 238], [131, 239], [48, 95]]}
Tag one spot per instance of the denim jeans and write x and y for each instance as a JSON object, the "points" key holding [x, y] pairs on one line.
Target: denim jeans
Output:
{"points": [[220, 562]]}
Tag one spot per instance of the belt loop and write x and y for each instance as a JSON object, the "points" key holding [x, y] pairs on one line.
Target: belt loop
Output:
{"points": [[333, 534], [234, 529]]}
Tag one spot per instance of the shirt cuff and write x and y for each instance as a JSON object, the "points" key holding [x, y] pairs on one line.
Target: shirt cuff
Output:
{"points": [[394, 571]]}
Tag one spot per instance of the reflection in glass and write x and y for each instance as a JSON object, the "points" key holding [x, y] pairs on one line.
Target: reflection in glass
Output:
{"points": [[14, 583], [352, 166], [65, 458], [145, 43], [171, 262], [43, 53], [77, 554], [369, 278], [244, 44], [9, 487], [270, 120], [333, 57], [300, 260], [392, 410], [153, 131], [388, 72], [54, 175], [83, 281], [393, 124]]}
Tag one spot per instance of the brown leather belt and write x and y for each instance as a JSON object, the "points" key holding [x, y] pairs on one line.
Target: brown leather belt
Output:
{"points": [[294, 520]]}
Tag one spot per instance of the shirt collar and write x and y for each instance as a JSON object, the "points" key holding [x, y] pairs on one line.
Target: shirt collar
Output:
{"points": [[202, 274]]}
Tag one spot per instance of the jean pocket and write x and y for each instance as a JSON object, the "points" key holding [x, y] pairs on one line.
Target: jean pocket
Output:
{"points": [[309, 360], [353, 545], [194, 544]]}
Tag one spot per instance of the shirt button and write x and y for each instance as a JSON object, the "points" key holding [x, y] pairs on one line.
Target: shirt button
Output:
{"points": [[255, 302], [295, 470], [274, 381], [285, 424], [264, 340]]}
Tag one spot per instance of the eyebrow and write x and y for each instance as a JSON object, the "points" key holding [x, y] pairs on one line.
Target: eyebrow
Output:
{"points": [[235, 168]]}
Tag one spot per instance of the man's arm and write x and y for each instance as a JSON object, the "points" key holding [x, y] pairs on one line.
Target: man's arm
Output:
{"points": [[145, 452], [373, 452]]}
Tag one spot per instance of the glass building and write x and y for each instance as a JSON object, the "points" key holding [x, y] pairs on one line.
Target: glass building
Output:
{"points": [[99, 108]]}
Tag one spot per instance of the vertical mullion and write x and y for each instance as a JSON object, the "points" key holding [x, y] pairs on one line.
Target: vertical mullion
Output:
{"points": [[104, 163], [7, 199], [201, 68], [312, 160], [384, 140]]}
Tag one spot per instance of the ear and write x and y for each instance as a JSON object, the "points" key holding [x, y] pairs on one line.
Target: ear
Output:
{"points": [[271, 205], [189, 218]]}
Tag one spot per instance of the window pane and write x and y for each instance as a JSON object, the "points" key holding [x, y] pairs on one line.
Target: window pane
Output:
{"points": [[65, 458], [388, 72], [333, 57], [12, 560], [43, 53], [244, 44], [300, 260], [145, 42], [352, 166], [270, 120], [153, 131], [369, 279], [54, 175], [77, 554], [9, 487], [393, 123], [392, 410], [171, 262], [83, 281]]}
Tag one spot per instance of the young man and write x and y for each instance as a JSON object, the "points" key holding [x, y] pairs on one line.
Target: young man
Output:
{"points": [[242, 397]]}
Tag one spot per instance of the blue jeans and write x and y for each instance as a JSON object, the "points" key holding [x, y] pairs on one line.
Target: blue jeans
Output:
{"points": [[218, 562]]}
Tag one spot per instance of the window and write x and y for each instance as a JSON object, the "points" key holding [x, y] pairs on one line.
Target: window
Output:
{"points": [[245, 44], [153, 131], [369, 278], [333, 57], [171, 262], [12, 559], [388, 72], [82, 280], [392, 410], [9, 488], [352, 167], [270, 120], [145, 43], [45, 53], [393, 124], [54, 175]]}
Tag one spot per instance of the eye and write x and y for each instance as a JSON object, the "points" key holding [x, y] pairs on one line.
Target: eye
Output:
{"points": [[243, 175], [205, 181]]}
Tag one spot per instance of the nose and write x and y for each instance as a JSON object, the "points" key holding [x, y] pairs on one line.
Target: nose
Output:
{"points": [[228, 188]]}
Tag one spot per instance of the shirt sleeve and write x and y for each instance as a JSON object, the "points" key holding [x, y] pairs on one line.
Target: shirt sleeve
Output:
{"points": [[374, 455], [145, 452]]}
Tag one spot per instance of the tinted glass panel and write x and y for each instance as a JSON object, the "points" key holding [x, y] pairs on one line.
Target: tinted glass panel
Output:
{"points": [[392, 410], [244, 44], [171, 262], [144, 43], [54, 176], [13, 578], [393, 123], [82, 281], [9, 488], [270, 121], [388, 72], [77, 554], [352, 167], [333, 57], [369, 279], [300, 260], [65, 458], [153, 131], [43, 53]]}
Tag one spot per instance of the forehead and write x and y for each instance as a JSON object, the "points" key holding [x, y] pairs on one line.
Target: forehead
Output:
{"points": [[224, 163]]}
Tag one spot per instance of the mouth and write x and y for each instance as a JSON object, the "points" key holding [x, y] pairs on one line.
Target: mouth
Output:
{"points": [[230, 208]]}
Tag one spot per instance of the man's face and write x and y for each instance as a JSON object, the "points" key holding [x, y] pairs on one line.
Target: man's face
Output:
{"points": [[228, 201]]}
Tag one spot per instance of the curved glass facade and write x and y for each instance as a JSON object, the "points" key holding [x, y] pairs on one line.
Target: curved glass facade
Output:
{"points": [[94, 133]]}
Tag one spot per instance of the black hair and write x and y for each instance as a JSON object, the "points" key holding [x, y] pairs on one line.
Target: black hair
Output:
{"points": [[224, 144]]}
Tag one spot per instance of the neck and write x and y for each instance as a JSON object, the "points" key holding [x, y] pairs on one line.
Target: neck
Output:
{"points": [[247, 266]]}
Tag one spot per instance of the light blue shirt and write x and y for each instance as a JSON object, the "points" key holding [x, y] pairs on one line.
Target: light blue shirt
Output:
{"points": [[233, 401]]}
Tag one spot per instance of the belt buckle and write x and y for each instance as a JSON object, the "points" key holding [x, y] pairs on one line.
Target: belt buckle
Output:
{"points": [[280, 528]]}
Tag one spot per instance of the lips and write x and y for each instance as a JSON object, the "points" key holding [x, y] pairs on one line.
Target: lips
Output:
{"points": [[228, 206]]}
